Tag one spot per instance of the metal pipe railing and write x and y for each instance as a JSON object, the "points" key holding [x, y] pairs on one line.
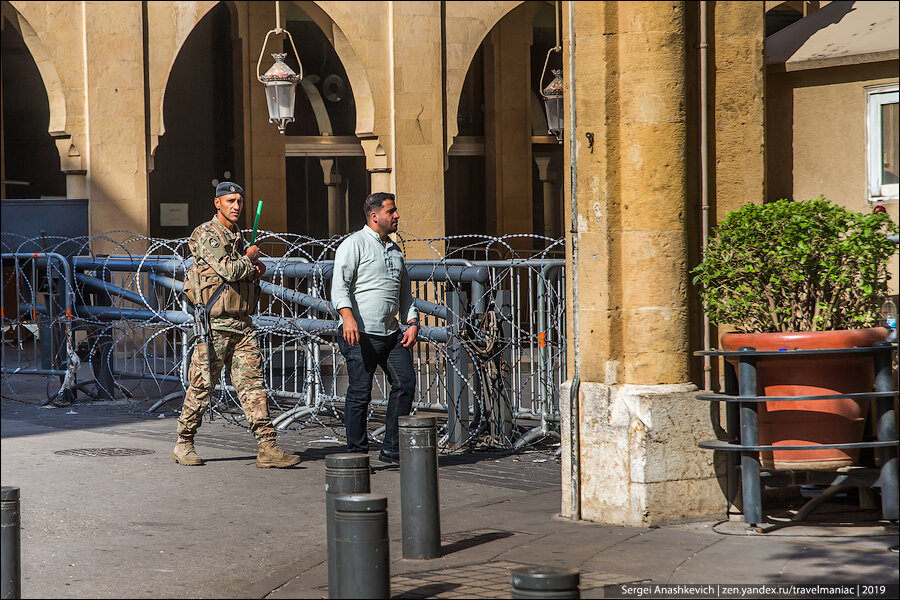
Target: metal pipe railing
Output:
{"points": [[294, 331]]}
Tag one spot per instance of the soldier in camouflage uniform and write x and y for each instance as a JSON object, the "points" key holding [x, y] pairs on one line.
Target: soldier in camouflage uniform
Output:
{"points": [[220, 257]]}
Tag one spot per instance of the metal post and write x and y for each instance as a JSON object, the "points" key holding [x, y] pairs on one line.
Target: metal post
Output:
{"points": [[11, 543], [419, 501], [345, 473], [749, 437], [361, 548], [886, 431], [102, 360], [457, 370], [501, 409], [733, 431], [545, 582], [542, 351], [57, 327], [478, 296]]}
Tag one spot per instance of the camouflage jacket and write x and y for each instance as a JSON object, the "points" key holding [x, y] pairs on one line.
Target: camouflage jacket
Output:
{"points": [[219, 257]]}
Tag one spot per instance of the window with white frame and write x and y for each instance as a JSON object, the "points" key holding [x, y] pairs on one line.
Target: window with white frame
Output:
{"points": [[882, 143]]}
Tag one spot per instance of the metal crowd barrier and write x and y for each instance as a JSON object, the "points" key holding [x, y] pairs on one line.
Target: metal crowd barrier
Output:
{"points": [[491, 354]]}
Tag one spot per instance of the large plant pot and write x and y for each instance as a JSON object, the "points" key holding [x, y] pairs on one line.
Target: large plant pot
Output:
{"points": [[810, 422]]}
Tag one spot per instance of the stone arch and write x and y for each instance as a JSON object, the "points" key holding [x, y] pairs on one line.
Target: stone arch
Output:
{"points": [[356, 72], [462, 44], [57, 127], [183, 21]]}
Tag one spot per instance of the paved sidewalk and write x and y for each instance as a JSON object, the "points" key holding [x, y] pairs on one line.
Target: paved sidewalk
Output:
{"points": [[136, 525]]}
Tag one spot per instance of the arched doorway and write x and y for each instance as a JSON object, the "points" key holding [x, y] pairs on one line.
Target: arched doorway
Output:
{"points": [[504, 167], [28, 155], [202, 117]]}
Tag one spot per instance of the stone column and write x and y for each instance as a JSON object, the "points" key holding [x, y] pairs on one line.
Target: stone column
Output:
{"points": [[266, 175], [639, 421], [739, 121], [336, 208], [377, 165], [417, 145], [71, 164], [547, 177], [117, 170]]}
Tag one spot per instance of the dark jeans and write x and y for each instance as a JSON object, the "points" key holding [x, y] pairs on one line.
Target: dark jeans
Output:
{"points": [[363, 358]]}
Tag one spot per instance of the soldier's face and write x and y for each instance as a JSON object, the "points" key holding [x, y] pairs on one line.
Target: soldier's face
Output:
{"points": [[387, 219], [230, 207]]}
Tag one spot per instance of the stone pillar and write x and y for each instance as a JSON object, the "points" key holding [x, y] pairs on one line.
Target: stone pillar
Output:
{"points": [[336, 204], [507, 135], [547, 177], [417, 144], [266, 165], [117, 169], [738, 106], [639, 421], [71, 164], [377, 165]]}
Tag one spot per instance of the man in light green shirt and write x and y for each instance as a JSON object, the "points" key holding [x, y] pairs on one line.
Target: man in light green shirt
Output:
{"points": [[370, 285]]}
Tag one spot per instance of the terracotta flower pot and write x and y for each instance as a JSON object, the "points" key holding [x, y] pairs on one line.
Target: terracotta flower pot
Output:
{"points": [[811, 422]]}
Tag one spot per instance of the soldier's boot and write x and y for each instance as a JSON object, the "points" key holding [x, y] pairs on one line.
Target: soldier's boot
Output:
{"points": [[270, 455], [184, 453]]}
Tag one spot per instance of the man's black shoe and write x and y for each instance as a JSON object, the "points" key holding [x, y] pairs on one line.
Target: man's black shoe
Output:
{"points": [[389, 456]]}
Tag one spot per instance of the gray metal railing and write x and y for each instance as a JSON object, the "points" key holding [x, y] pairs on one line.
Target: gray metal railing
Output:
{"points": [[491, 354]]}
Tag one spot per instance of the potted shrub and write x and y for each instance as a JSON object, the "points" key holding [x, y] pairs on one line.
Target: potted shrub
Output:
{"points": [[801, 275]]}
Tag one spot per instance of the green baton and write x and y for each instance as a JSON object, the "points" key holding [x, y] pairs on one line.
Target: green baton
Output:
{"points": [[256, 222]]}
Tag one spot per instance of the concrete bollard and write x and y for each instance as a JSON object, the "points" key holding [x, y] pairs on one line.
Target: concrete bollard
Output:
{"points": [[345, 473], [545, 582], [361, 550], [10, 543], [419, 502]]}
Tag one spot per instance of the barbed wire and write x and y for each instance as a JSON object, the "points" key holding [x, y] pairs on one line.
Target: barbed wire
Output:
{"points": [[129, 331]]}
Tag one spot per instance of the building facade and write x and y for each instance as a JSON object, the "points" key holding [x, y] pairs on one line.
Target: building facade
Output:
{"points": [[139, 106]]}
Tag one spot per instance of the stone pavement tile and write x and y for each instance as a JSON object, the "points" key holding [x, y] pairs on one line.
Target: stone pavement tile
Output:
{"points": [[482, 580], [755, 560], [651, 553]]}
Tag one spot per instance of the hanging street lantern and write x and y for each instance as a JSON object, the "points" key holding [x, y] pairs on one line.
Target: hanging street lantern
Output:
{"points": [[553, 103], [280, 80], [281, 91]]}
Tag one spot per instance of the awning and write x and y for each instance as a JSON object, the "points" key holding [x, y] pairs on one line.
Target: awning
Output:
{"points": [[840, 33]]}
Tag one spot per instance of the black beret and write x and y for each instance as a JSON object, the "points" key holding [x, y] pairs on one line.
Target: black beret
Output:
{"points": [[228, 187]]}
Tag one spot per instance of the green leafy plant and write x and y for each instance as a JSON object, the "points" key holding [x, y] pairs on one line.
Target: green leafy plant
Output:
{"points": [[796, 266]]}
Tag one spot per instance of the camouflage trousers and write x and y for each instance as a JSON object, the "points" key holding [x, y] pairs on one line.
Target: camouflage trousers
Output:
{"points": [[239, 352]]}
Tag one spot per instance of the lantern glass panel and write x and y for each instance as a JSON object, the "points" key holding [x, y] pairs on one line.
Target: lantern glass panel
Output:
{"points": [[554, 106], [280, 98]]}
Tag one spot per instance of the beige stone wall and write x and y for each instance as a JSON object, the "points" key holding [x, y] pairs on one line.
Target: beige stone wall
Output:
{"points": [[820, 148], [738, 105]]}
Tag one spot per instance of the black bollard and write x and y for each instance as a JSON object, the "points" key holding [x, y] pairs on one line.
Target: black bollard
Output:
{"points": [[11, 543], [545, 582], [345, 473], [419, 503], [361, 551]]}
